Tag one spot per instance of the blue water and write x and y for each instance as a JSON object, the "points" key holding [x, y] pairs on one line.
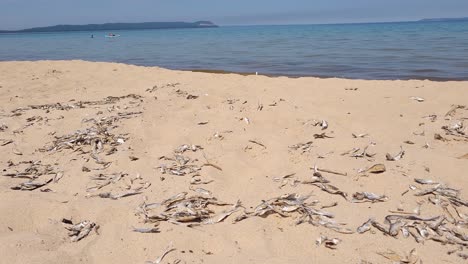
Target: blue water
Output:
{"points": [[432, 50]]}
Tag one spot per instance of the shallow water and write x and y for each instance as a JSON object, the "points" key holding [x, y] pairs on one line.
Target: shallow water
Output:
{"points": [[414, 50]]}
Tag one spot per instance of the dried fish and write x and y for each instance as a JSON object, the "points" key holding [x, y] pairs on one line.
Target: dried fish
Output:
{"points": [[168, 249], [146, 230], [425, 181], [418, 99], [201, 191], [321, 136], [81, 230], [31, 185], [439, 137], [181, 149], [363, 154], [58, 176], [189, 211], [331, 189], [287, 179], [324, 124], [360, 197], [303, 147], [330, 243], [223, 215], [377, 168], [412, 257], [397, 156], [360, 135], [454, 108], [366, 226]]}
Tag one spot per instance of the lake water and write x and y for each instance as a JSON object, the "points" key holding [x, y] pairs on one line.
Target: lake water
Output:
{"points": [[415, 50]]}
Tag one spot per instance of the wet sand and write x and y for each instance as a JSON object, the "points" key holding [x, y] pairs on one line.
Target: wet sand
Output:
{"points": [[227, 115]]}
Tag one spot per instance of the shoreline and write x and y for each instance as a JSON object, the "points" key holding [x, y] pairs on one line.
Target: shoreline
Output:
{"points": [[122, 146], [223, 72]]}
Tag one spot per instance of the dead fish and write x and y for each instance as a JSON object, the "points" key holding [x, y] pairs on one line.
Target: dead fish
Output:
{"points": [[324, 124], [321, 136], [454, 108], [201, 191], [359, 135], [331, 189], [168, 249], [178, 197], [377, 168], [329, 243], [31, 185], [425, 181], [58, 176], [146, 230], [412, 258], [439, 137], [397, 156], [395, 227], [223, 215], [418, 99], [366, 196], [366, 226], [81, 230]]}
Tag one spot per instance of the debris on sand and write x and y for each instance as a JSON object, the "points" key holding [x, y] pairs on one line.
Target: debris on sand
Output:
{"points": [[376, 169], [439, 137], [80, 230], [359, 135], [31, 185], [452, 110], [112, 190], [330, 243], [288, 179], [289, 204], [397, 156], [411, 258], [4, 142], [362, 197], [417, 99], [188, 211], [168, 249], [357, 153], [321, 136], [303, 147]]}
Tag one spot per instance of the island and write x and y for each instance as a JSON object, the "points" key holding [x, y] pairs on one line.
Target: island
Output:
{"points": [[116, 26]]}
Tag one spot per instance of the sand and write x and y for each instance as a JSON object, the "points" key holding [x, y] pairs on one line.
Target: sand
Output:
{"points": [[31, 230]]}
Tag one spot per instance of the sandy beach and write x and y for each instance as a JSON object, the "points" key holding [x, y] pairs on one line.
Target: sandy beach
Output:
{"points": [[113, 144]]}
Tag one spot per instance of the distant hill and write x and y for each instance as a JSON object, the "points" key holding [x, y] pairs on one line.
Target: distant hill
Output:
{"points": [[116, 26], [444, 19]]}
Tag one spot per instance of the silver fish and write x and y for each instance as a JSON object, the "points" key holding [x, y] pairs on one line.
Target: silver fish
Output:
{"points": [[145, 230], [397, 156], [366, 226], [168, 249]]}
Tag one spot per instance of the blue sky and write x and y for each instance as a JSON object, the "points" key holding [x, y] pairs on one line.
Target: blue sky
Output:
{"points": [[15, 14]]}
